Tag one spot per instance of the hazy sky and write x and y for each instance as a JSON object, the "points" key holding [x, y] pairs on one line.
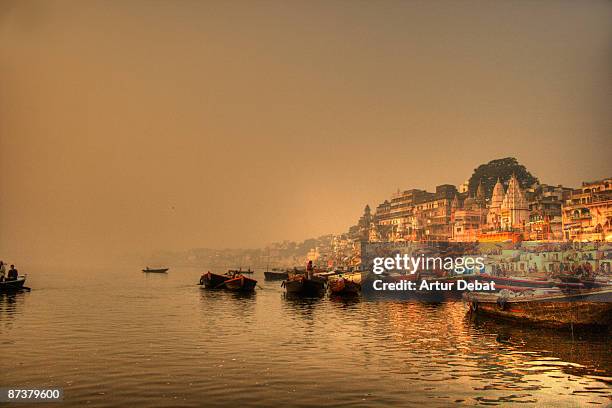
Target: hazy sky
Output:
{"points": [[128, 126]]}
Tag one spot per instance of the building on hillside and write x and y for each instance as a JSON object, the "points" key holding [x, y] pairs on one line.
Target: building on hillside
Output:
{"points": [[545, 221], [469, 216], [433, 216], [587, 214], [395, 219]]}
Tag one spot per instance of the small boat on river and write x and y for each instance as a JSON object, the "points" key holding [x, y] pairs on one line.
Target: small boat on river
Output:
{"points": [[13, 285], [276, 275], [300, 285], [561, 309], [213, 281], [236, 271], [240, 283], [343, 286], [154, 270]]}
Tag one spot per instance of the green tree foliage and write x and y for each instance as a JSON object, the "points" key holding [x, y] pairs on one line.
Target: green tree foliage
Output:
{"points": [[502, 169]]}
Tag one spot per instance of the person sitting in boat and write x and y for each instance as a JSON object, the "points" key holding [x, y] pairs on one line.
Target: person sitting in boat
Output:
{"points": [[2, 271], [12, 273]]}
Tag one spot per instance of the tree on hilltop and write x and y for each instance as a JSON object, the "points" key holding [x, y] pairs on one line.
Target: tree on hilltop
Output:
{"points": [[502, 169]]}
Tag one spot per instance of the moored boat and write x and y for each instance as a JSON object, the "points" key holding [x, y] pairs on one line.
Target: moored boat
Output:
{"points": [[276, 275], [213, 280], [344, 287], [155, 270], [502, 282], [237, 271], [574, 282], [561, 309], [302, 286], [13, 285], [240, 283]]}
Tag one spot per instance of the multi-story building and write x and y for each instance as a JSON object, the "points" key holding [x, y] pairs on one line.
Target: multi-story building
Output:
{"points": [[587, 214], [545, 221], [542, 212], [434, 215]]}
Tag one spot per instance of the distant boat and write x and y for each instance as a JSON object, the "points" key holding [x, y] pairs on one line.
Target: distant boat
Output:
{"points": [[12, 285], [276, 275], [576, 308], [240, 283], [152, 270], [235, 271]]}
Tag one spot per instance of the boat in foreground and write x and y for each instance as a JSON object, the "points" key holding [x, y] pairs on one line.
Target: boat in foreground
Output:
{"points": [[300, 285], [240, 283], [14, 285], [343, 286], [211, 280], [155, 270], [560, 309]]}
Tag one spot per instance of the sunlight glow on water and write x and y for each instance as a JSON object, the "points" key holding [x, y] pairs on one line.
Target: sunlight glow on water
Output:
{"points": [[110, 337]]}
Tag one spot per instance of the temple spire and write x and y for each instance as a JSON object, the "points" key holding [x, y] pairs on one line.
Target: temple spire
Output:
{"points": [[498, 195]]}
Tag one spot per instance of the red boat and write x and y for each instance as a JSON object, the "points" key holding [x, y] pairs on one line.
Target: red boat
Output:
{"points": [[344, 287], [213, 280], [240, 283], [301, 286]]}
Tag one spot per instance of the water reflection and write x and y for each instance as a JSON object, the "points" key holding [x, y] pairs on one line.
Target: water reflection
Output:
{"points": [[10, 304], [163, 341], [303, 308], [580, 352]]}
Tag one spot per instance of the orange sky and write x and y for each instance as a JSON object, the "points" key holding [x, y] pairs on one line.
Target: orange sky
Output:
{"points": [[131, 126]]}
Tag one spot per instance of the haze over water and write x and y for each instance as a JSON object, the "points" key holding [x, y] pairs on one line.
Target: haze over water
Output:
{"points": [[118, 336]]}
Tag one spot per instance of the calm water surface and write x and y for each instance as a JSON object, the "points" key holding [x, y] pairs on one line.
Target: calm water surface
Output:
{"points": [[121, 337]]}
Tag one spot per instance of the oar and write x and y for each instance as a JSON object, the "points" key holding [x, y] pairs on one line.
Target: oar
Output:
{"points": [[26, 288]]}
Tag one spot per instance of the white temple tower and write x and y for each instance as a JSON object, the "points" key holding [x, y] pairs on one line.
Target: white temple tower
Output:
{"points": [[494, 214], [514, 207]]}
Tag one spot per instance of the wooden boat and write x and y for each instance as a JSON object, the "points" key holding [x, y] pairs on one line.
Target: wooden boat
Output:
{"points": [[240, 283], [512, 283], [574, 282], [276, 275], [576, 308], [153, 270], [326, 274], [237, 271], [213, 281], [14, 285], [302, 286], [344, 287]]}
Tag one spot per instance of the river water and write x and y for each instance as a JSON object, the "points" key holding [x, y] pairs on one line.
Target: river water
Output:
{"points": [[119, 337]]}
